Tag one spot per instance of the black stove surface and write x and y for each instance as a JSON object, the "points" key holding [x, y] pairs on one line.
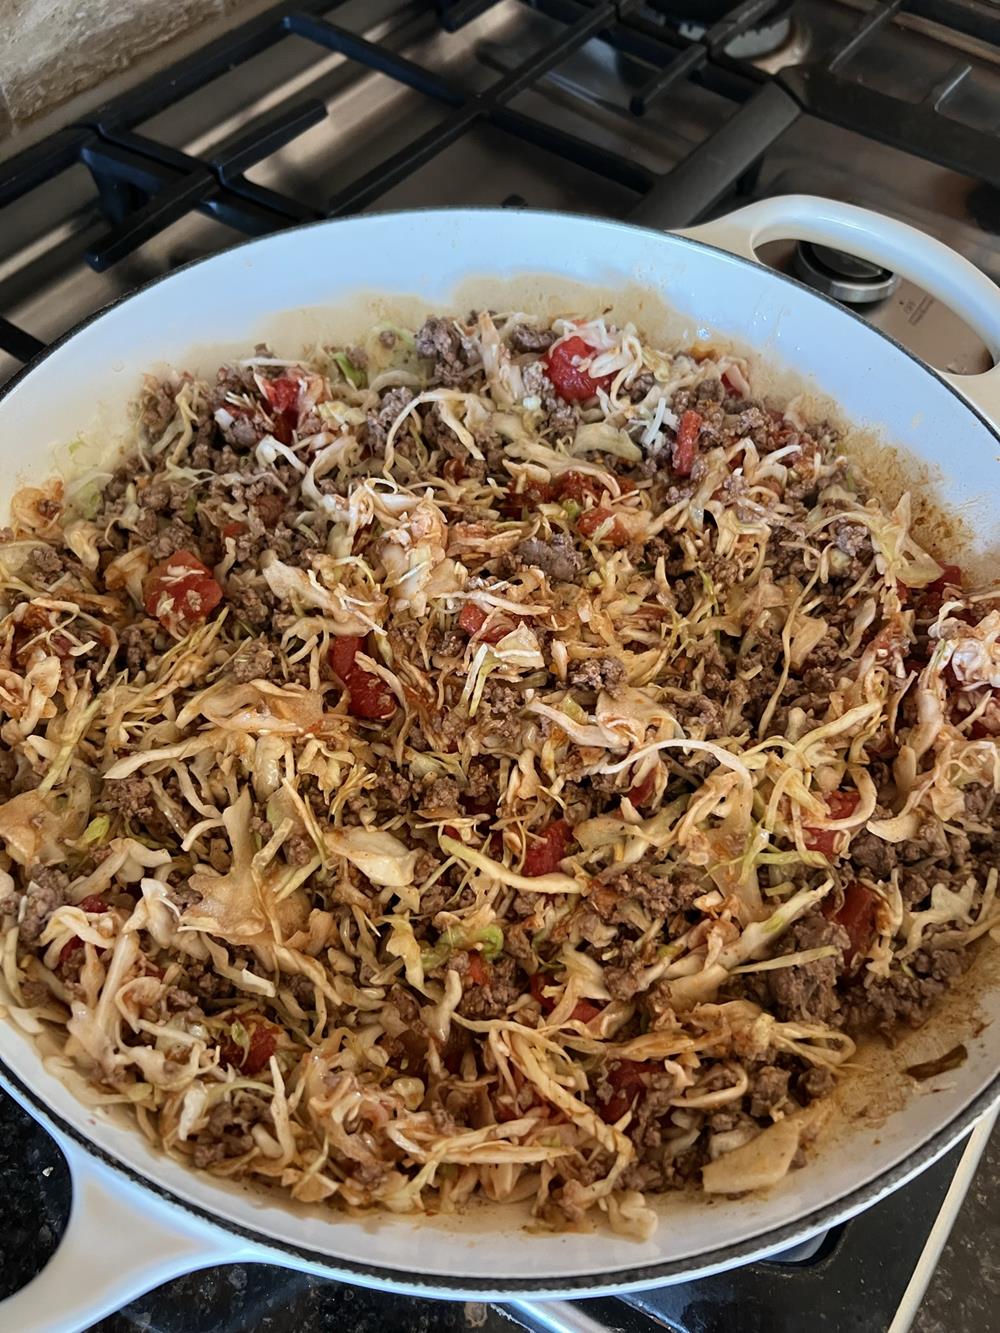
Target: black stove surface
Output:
{"points": [[854, 1280]]}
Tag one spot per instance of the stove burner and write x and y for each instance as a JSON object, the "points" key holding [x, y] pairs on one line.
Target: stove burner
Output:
{"points": [[844, 277], [693, 18]]}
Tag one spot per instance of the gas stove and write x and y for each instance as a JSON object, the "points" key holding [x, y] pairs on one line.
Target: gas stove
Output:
{"points": [[665, 112]]}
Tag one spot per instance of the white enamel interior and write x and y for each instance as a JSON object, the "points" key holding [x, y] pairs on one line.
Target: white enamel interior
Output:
{"points": [[232, 300]]}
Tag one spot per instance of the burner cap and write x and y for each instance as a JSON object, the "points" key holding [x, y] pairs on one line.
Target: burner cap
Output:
{"points": [[844, 277]]}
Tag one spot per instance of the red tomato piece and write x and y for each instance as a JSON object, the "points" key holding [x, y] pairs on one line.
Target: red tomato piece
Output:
{"points": [[234, 529], [857, 916], [577, 486], [538, 984], [70, 948], [370, 697], [592, 519], [547, 849], [563, 369], [643, 790], [841, 805], [628, 1079], [180, 591], [343, 651], [951, 577], [584, 1011], [254, 1056], [686, 444], [471, 618], [730, 387], [529, 497], [478, 971], [283, 393], [453, 470]]}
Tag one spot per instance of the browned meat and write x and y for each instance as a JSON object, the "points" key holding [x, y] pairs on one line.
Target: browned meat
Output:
{"points": [[597, 673], [503, 985], [379, 422], [441, 794], [661, 894], [156, 408], [45, 892], [815, 1083], [769, 1092], [441, 340], [46, 565], [641, 386], [299, 850], [808, 992], [524, 338], [872, 854], [393, 784], [131, 797], [558, 559], [253, 661], [227, 1133]]}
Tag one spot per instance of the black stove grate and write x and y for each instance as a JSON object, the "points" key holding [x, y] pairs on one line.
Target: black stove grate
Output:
{"points": [[143, 186]]}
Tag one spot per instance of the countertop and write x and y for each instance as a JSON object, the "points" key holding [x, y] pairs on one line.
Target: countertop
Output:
{"points": [[34, 1203]]}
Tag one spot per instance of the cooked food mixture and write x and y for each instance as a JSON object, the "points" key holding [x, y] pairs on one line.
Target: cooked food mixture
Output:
{"points": [[500, 760]]}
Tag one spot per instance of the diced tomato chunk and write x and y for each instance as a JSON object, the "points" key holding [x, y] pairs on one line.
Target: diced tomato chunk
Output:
{"points": [[283, 393], [70, 948], [563, 369], [370, 697], [235, 529], [343, 651], [547, 848], [471, 618], [253, 1055], [730, 386], [584, 1011], [841, 805], [530, 496], [643, 790], [478, 970], [857, 916], [628, 1079], [685, 446], [592, 519], [577, 486], [180, 591], [538, 984], [950, 577]]}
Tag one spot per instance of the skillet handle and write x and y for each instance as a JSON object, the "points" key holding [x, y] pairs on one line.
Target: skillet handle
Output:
{"points": [[924, 260], [117, 1245]]}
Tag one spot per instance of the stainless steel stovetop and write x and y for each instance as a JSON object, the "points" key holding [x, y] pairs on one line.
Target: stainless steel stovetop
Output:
{"points": [[46, 285]]}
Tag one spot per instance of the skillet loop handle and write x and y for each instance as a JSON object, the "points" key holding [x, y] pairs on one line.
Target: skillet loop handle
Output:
{"points": [[116, 1246], [924, 260]]}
